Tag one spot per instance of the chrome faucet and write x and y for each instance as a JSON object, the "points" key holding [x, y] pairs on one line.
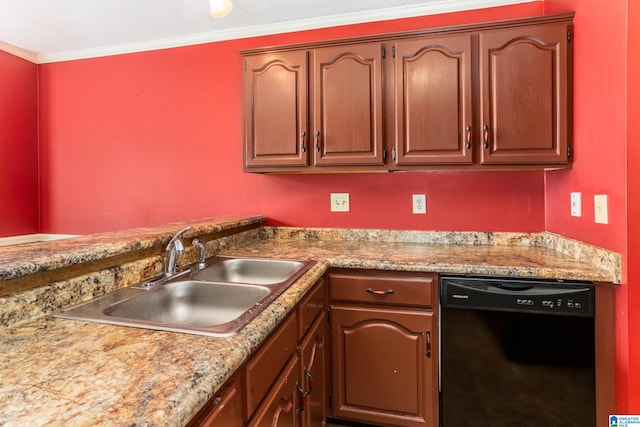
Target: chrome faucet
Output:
{"points": [[174, 249], [202, 252]]}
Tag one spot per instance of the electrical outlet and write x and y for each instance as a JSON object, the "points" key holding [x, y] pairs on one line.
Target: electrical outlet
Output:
{"points": [[419, 204], [600, 208], [339, 202], [576, 204]]}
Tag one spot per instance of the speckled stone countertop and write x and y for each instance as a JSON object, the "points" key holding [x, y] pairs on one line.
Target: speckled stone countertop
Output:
{"points": [[59, 372], [21, 260]]}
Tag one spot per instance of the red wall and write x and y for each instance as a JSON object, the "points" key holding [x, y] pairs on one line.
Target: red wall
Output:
{"points": [[18, 146], [633, 200], [600, 163], [153, 137]]}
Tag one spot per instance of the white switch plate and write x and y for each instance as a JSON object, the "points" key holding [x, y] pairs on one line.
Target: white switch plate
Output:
{"points": [[419, 204], [576, 204], [600, 208], [339, 202]]}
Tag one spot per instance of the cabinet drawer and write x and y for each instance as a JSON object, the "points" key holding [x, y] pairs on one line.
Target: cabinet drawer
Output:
{"points": [[310, 307], [224, 409], [264, 367], [367, 286], [282, 404]]}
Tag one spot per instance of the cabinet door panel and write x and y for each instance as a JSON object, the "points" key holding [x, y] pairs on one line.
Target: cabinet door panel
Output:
{"points": [[314, 369], [275, 92], [381, 371], [433, 90], [348, 105], [525, 95], [261, 371], [280, 407]]}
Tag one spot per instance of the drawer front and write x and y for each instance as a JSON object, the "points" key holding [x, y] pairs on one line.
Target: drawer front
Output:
{"points": [[263, 369], [224, 409], [310, 307], [281, 407], [383, 287]]}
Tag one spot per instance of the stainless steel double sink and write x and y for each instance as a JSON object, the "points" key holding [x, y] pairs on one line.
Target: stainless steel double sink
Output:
{"points": [[217, 300]]}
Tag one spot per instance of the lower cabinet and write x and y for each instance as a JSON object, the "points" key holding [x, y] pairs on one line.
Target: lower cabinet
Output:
{"points": [[384, 347], [285, 383]]}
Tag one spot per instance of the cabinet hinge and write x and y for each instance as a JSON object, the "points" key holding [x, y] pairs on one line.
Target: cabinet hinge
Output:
{"points": [[569, 36], [384, 53], [393, 51], [329, 316], [569, 152], [384, 154]]}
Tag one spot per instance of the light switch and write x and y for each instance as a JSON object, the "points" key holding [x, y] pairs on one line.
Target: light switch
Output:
{"points": [[600, 208]]}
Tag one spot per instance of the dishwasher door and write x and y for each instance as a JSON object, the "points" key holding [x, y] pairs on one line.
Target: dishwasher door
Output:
{"points": [[511, 357]]}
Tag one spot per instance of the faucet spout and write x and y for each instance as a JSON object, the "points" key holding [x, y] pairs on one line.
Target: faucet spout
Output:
{"points": [[174, 249]]}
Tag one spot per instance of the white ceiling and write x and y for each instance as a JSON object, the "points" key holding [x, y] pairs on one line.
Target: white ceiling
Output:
{"points": [[57, 30]]}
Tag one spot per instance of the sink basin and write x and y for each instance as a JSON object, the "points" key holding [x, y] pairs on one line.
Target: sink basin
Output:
{"points": [[218, 300], [196, 307], [190, 303], [261, 271]]}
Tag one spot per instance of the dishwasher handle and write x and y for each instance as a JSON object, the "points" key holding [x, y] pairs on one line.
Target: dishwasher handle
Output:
{"points": [[518, 287]]}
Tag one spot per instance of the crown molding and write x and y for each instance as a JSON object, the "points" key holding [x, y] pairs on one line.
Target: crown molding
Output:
{"points": [[20, 53], [429, 8]]}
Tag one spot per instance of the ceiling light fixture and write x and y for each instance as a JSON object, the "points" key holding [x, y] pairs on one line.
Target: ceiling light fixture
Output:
{"points": [[220, 8]]}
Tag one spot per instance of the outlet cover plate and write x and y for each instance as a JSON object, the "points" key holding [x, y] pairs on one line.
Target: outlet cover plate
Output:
{"points": [[340, 202], [576, 204], [419, 204]]}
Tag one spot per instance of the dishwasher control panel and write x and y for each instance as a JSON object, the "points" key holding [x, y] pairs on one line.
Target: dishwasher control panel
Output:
{"points": [[508, 294]]}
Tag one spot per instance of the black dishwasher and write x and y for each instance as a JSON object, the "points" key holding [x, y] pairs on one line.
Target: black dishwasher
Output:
{"points": [[516, 353]]}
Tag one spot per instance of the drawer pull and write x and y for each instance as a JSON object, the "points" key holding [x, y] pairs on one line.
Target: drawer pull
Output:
{"points": [[380, 292]]}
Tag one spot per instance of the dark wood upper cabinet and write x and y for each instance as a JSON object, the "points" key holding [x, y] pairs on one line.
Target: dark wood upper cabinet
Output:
{"points": [[347, 105], [525, 95], [479, 97], [275, 110], [433, 101]]}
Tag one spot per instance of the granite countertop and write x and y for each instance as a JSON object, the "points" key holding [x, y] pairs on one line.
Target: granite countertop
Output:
{"points": [[73, 373], [22, 260], [60, 372], [476, 259]]}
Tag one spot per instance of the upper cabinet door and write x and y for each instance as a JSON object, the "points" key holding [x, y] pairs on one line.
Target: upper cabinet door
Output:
{"points": [[275, 110], [433, 101], [347, 100], [525, 95]]}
